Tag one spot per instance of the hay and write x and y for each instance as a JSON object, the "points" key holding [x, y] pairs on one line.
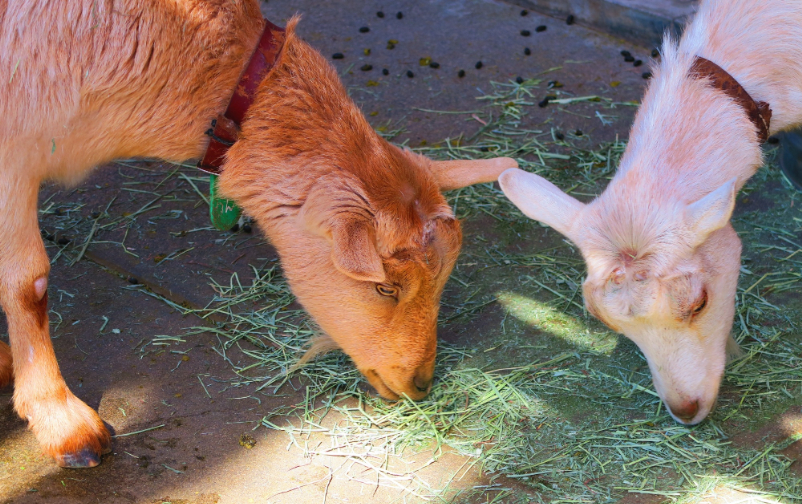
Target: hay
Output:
{"points": [[575, 419]]}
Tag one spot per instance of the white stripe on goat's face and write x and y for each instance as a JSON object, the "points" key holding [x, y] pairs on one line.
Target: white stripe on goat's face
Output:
{"points": [[662, 273]]}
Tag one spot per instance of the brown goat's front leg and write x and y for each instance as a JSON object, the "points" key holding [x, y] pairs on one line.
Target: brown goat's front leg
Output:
{"points": [[6, 365], [67, 429]]}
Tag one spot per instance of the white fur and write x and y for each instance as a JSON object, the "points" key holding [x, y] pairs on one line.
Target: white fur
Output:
{"points": [[662, 259]]}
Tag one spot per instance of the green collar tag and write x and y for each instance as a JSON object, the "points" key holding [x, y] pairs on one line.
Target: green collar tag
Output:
{"points": [[224, 212]]}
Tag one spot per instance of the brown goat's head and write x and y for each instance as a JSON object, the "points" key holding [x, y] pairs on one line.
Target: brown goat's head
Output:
{"points": [[373, 261], [366, 239], [375, 266], [369, 260]]}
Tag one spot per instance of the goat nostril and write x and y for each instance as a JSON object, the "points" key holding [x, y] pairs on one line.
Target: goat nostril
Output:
{"points": [[422, 385], [687, 411]]}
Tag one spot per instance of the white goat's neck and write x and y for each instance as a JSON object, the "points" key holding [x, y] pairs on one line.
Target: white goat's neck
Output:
{"points": [[688, 139], [758, 43]]}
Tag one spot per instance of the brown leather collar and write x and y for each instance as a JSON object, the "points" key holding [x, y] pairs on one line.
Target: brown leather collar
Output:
{"points": [[225, 128], [759, 112]]}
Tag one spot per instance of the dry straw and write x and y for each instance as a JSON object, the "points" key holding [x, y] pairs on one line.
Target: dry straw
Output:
{"points": [[571, 414]]}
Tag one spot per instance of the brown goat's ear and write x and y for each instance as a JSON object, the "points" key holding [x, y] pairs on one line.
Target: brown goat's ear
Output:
{"points": [[354, 251], [464, 172], [337, 210]]}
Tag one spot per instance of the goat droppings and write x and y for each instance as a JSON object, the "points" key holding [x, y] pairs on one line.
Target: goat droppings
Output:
{"points": [[434, 64], [646, 75], [338, 55], [478, 65], [527, 51], [380, 14], [410, 74], [519, 80], [366, 67], [655, 53], [246, 228], [524, 12], [578, 132], [399, 15], [629, 59], [559, 136], [364, 29], [132, 280], [541, 28], [526, 33], [637, 63], [626, 53], [461, 74], [569, 20], [385, 71]]}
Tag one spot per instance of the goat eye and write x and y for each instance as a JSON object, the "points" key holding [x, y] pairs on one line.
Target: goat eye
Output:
{"points": [[387, 290], [700, 305]]}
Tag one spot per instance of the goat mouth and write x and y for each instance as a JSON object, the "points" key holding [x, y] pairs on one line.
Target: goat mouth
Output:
{"points": [[381, 387]]}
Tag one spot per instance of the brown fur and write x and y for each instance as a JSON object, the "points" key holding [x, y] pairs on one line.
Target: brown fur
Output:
{"points": [[88, 81], [6, 368], [38, 307]]}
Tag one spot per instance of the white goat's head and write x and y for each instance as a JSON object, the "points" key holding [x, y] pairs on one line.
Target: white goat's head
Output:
{"points": [[661, 272]]}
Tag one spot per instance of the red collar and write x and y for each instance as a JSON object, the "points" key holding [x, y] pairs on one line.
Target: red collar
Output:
{"points": [[225, 128], [759, 112]]}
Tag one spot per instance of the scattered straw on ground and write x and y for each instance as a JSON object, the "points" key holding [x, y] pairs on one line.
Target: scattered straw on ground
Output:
{"points": [[574, 419]]}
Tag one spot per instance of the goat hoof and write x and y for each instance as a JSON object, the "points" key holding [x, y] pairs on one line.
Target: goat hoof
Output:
{"points": [[79, 460], [84, 458], [68, 430]]}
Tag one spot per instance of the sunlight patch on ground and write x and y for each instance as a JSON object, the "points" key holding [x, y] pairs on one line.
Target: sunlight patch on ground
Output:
{"points": [[557, 323], [22, 462], [718, 490]]}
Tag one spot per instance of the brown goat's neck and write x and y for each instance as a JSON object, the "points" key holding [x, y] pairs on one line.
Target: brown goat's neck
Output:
{"points": [[303, 130], [224, 129], [302, 116]]}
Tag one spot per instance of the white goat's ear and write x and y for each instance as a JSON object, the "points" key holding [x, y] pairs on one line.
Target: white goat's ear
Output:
{"points": [[465, 172], [711, 213], [541, 200]]}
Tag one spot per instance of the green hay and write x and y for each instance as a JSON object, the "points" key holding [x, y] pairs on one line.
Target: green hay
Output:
{"points": [[570, 412]]}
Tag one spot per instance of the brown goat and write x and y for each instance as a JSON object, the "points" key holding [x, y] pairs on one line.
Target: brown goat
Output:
{"points": [[365, 236]]}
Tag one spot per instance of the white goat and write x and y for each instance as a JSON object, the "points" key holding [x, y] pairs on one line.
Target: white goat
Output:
{"points": [[662, 258]]}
